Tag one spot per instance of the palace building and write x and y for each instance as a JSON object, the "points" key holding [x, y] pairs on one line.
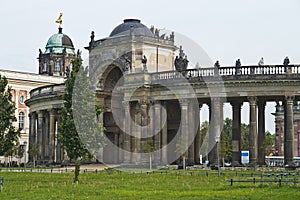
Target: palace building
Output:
{"points": [[54, 66], [149, 96]]}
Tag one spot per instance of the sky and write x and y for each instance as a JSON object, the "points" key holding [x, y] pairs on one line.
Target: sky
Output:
{"points": [[225, 30]]}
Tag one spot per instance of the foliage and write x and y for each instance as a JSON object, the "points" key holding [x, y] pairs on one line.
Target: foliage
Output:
{"points": [[34, 151], [149, 147], [203, 130], [245, 134], [269, 143], [80, 133], [19, 151], [225, 142], [226, 138], [9, 135], [69, 136]]}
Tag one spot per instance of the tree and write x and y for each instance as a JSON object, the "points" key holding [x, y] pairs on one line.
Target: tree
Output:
{"points": [[34, 151], [204, 128], [79, 133], [225, 142], [149, 148], [245, 135], [182, 149], [19, 152], [269, 143], [9, 135]]}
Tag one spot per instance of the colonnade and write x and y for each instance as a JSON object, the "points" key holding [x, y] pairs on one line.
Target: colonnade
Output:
{"points": [[44, 123], [42, 139], [190, 124]]}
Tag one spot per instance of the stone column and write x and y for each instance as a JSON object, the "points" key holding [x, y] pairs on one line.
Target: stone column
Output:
{"points": [[184, 136], [215, 128], [236, 132], [142, 135], [298, 138], [191, 124], [261, 132], [136, 131], [198, 136], [40, 136], [59, 150], [51, 135], [46, 136], [157, 130], [127, 134], [116, 152], [211, 137], [32, 134], [253, 132], [55, 140], [164, 156], [289, 131]]}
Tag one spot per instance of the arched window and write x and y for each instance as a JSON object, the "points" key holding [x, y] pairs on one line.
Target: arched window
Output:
{"points": [[22, 99], [57, 66], [21, 120]]}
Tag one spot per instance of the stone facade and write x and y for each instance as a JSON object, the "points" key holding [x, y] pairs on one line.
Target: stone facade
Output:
{"points": [[22, 83], [146, 100], [279, 124]]}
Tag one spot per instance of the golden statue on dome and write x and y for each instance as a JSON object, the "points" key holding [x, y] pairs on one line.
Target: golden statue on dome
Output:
{"points": [[59, 20]]}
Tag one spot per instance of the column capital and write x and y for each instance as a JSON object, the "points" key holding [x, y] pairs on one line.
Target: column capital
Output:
{"points": [[184, 102], [40, 113], [236, 103], [214, 99], [155, 101], [144, 102], [289, 97], [52, 112], [252, 100], [261, 102]]}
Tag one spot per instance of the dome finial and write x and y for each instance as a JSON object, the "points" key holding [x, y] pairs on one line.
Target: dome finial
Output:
{"points": [[59, 20]]}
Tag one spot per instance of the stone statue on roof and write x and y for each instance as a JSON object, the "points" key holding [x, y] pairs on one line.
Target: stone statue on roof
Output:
{"points": [[181, 61], [144, 62]]}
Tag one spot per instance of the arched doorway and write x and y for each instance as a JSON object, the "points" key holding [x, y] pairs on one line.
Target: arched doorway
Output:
{"points": [[112, 78]]}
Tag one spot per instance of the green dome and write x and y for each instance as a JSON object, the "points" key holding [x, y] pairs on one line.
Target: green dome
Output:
{"points": [[58, 42]]}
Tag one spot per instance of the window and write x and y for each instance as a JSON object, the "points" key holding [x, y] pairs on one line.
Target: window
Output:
{"points": [[22, 99], [21, 120], [45, 67], [57, 66]]}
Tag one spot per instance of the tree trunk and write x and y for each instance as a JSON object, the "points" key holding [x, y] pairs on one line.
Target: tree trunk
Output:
{"points": [[150, 163], [183, 161], [77, 170], [223, 161], [33, 161]]}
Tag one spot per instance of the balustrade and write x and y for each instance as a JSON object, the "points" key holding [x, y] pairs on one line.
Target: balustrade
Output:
{"points": [[47, 90], [229, 72]]}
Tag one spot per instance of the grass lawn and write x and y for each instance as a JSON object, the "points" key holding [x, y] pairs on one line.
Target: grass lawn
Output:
{"points": [[173, 185]]}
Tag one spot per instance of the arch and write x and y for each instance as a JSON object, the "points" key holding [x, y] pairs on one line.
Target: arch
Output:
{"points": [[111, 78]]}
